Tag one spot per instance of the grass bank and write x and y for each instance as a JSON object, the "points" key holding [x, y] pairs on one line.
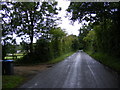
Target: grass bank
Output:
{"points": [[11, 81], [108, 60], [61, 58]]}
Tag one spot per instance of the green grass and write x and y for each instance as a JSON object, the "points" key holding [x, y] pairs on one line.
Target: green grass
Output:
{"points": [[9, 81], [19, 55], [8, 57], [108, 60], [61, 58], [14, 81], [12, 57]]}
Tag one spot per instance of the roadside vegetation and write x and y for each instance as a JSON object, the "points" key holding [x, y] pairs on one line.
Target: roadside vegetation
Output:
{"points": [[13, 81], [33, 20], [108, 60], [100, 37], [61, 58]]}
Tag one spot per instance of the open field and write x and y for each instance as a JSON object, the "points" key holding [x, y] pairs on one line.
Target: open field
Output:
{"points": [[20, 55]]}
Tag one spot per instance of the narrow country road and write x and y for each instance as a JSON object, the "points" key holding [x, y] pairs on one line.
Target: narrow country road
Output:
{"points": [[76, 71]]}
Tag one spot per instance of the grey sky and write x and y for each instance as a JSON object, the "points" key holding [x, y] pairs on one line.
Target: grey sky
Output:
{"points": [[70, 29]]}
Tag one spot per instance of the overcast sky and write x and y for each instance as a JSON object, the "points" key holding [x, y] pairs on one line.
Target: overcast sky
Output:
{"points": [[70, 29]]}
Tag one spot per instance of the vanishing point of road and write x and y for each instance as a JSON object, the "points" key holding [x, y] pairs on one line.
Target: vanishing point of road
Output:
{"points": [[77, 71]]}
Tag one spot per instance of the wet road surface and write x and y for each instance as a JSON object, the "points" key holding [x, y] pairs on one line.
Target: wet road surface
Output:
{"points": [[77, 71]]}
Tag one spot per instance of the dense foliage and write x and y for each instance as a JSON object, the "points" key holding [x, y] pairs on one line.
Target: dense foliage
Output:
{"points": [[27, 20], [104, 35], [30, 20], [49, 48]]}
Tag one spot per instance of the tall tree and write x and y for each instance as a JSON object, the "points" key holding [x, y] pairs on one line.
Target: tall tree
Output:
{"points": [[102, 10], [29, 19], [34, 17], [7, 28], [105, 18], [83, 31], [57, 35]]}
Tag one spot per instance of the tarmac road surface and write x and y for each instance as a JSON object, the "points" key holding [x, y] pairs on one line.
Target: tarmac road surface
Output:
{"points": [[77, 71]]}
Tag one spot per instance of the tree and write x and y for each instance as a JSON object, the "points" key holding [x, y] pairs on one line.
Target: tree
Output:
{"points": [[75, 43], [7, 28], [105, 18], [29, 19], [90, 40], [83, 31], [24, 47], [37, 16], [57, 35], [102, 10], [42, 50], [56, 45]]}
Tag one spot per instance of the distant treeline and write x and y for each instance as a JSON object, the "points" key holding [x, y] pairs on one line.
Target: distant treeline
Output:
{"points": [[48, 48]]}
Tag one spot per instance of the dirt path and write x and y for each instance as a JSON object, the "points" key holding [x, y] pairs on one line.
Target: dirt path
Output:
{"points": [[29, 71]]}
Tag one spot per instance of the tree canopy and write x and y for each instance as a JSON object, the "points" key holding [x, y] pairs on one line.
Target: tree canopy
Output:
{"points": [[27, 20], [30, 20], [102, 10], [104, 18]]}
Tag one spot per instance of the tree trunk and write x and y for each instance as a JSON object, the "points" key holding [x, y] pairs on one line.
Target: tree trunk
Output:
{"points": [[31, 31]]}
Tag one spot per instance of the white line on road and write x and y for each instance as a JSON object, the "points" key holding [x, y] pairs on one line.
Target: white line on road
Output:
{"points": [[93, 74]]}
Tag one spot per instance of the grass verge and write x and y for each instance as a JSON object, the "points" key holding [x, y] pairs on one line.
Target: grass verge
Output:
{"points": [[61, 58], [8, 57], [14, 81], [9, 81], [108, 60]]}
